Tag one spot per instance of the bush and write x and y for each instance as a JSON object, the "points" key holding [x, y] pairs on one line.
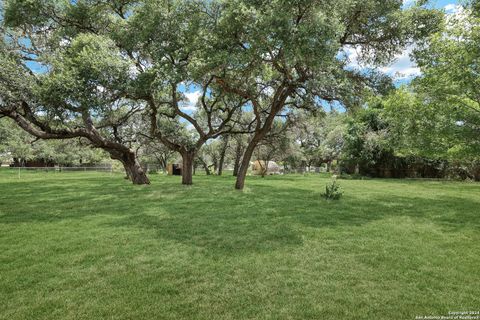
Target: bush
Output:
{"points": [[333, 191]]}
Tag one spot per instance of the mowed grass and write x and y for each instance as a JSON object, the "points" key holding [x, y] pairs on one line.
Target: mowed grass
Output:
{"points": [[92, 246]]}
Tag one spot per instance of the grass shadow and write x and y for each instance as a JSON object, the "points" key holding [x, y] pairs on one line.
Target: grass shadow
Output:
{"points": [[212, 217]]}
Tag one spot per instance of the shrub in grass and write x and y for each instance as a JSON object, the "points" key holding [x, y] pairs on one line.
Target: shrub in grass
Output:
{"points": [[333, 191]]}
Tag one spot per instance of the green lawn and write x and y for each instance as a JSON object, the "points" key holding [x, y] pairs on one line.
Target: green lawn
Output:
{"points": [[92, 246]]}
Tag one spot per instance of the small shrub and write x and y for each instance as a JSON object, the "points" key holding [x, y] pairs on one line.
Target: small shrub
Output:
{"points": [[333, 191]]}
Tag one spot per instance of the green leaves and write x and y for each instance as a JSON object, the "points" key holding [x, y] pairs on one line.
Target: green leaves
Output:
{"points": [[86, 74], [18, 13], [447, 99]]}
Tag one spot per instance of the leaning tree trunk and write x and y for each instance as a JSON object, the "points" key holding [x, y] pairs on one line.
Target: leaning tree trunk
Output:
{"points": [[187, 167], [261, 132], [135, 172], [118, 151], [133, 169], [245, 163], [259, 135]]}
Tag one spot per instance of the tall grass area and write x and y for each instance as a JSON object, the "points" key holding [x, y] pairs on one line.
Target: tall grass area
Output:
{"points": [[93, 246]]}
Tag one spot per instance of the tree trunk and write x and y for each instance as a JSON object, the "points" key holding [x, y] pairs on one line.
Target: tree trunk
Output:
{"points": [[238, 157], [242, 171], [187, 167], [247, 156], [220, 165], [264, 167], [329, 166], [261, 132], [222, 158], [163, 163], [128, 171], [133, 169], [205, 167]]}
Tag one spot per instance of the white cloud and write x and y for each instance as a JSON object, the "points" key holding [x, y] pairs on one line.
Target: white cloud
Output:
{"points": [[452, 8], [352, 56], [403, 67], [192, 98]]}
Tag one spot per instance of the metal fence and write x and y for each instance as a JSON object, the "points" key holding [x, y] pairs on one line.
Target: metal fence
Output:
{"points": [[149, 168], [58, 170]]}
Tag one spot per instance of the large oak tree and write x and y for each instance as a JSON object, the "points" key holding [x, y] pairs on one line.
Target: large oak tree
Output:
{"points": [[60, 78], [280, 54]]}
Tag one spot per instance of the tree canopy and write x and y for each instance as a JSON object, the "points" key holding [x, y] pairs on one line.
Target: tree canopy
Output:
{"points": [[117, 73]]}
